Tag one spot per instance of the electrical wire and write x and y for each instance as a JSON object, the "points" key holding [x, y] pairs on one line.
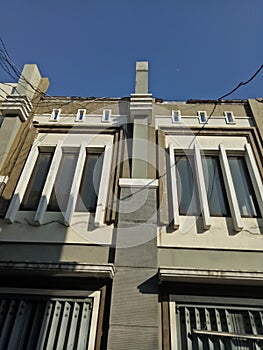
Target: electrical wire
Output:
{"points": [[242, 84]]}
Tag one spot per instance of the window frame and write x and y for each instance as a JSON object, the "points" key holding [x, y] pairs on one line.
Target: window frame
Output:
{"points": [[176, 114], [199, 113], [78, 119], [203, 301], [82, 148], [233, 120], [104, 119], [55, 117], [223, 153], [50, 294]]}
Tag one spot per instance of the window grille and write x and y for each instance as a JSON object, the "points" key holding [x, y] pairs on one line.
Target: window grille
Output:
{"points": [[219, 327], [44, 323]]}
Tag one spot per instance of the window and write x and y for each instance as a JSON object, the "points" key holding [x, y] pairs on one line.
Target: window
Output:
{"points": [[43, 322], [64, 179], [246, 198], [215, 183], [90, 182], [215, 189], [55, 115], [80, 115], [61, 190], [106, 115], [176, 116], [215, 326], [230, 119], [202, 117], [37, 181], [186, 185]]}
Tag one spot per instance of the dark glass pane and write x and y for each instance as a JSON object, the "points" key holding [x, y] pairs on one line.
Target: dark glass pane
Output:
{"points": [[186, 185], [90, 182], [37, 181], [216, 193], [61, 190], [244, 190]]}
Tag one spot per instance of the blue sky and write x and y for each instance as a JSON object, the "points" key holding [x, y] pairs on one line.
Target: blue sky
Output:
{"points": [[196, 48]]}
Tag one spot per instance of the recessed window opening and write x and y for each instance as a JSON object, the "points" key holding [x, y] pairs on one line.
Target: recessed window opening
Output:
{"points": [[80, 115], [90, 182], [106, 115], [61, 190], [186, 185], [214, 182], [202, 117], [245, 193], [230, 119], [37, 181], [176, 116], [55, 114]]}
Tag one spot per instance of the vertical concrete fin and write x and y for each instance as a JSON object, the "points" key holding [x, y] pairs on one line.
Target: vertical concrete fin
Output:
{"points": [[141, 86], [28, 82]]}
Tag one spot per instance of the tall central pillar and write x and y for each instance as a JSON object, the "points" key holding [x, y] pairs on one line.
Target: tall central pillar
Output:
{"points": [[135, 313]]}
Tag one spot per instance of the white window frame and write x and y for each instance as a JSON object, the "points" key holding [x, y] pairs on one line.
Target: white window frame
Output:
{"points": [[104, 119], [233, 120], [53, 115], [199, 113], [47, 190], [223, 153], [176, 115], [78, 119]]}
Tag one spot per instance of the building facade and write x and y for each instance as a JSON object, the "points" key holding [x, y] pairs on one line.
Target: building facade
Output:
{"points": [[129, 223]]}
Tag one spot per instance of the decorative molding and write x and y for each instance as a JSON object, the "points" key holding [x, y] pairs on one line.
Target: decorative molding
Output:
{"points": [[17, 105], [63, 268], [197, 275], [139, 183]]}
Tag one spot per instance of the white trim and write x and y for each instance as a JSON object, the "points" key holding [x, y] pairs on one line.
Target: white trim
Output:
{"points": [[49, 183], [94, 319], [138, 183], [104, 185], [22, 184], [104, 119], [232, 117], [77, 119], [74, 192], [198, 275], [255, 176], [4, 179], [3, 182], [173, 326], [175, 199], [53, 115], [199, 113], [61, 269], [47, 190], [176, 114], [230, 190], [202, 193]]}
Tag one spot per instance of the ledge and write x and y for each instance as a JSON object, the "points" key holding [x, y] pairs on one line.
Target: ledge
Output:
{"points": [[195, 275], [59, 269], [138, 183]]}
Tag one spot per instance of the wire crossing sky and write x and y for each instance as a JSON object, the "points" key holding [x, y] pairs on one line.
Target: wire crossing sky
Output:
{"points": [[197, 49]]}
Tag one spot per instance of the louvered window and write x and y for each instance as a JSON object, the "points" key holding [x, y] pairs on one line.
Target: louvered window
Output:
{"points": [[218, 327], [45, 323]]}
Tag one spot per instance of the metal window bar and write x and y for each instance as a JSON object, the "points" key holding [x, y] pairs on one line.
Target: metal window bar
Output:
{"points": [[55, 323], [215, 327]]}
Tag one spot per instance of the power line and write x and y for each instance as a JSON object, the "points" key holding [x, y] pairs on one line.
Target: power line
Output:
{"points": [[242, 84]]}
